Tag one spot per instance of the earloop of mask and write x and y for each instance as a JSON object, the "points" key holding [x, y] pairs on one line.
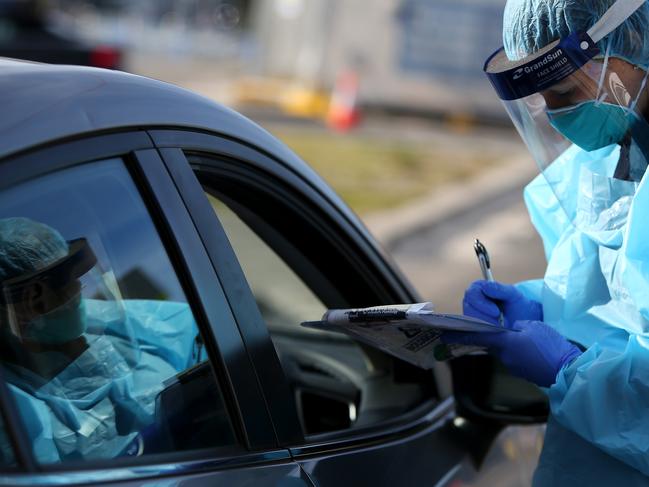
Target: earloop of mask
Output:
{"points": [[637, 97], [601, 95]]}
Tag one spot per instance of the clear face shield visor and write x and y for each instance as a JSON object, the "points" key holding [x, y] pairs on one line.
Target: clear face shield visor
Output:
{"points": [[581, 117], [48, 306]]}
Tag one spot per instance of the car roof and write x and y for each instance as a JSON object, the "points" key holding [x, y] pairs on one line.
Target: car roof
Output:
{"points": [[43, 103]]}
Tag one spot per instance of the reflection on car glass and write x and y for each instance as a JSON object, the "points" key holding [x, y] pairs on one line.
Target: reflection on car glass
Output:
{"points": [[90, 345], [71, 344]]}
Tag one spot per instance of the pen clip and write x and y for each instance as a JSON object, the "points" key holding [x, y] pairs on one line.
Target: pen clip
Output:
{"points": [[483, 260], [481, 252], [485, 267]]}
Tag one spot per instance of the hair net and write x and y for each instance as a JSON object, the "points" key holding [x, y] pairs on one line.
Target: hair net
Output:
{"points": [[27, 245], [529, 25]]}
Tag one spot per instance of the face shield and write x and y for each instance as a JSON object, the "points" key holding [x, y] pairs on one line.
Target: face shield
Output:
{"points": [[48, 306], [581, 115]]}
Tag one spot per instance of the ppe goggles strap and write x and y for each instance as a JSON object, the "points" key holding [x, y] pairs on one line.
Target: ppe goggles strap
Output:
{"points": [[640, 91], [613, 18]]}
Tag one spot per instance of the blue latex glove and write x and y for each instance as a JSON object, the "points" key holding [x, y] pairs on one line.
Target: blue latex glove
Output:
{"points": [[530, 349], [486, 299]]}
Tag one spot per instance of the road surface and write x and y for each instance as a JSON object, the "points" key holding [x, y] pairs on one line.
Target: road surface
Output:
{"points": [[440, 260]]}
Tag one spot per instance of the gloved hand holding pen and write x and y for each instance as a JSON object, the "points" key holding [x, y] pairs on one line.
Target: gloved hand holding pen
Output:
{"points": [[485, 300], [532, 349]]}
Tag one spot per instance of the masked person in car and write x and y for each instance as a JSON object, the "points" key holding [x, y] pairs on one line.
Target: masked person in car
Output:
{"points": [[84, 366], [573, 77]]}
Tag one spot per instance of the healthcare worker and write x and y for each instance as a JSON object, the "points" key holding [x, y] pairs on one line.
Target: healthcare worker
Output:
{"points": [[572, 75], [84, 365]]}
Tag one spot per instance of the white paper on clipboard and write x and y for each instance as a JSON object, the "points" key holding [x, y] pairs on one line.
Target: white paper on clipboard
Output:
{"points": [[409, 331]]}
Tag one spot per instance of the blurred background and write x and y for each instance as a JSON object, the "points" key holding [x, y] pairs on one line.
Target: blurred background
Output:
{"points": [[386, 99]]}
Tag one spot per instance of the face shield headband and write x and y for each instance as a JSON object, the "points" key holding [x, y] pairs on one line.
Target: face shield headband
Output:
{"points": [[558, 60], [48, 306], [58, 275]]}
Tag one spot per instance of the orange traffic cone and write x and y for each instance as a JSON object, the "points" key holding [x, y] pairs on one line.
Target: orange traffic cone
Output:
{"points": [[343, 113]]}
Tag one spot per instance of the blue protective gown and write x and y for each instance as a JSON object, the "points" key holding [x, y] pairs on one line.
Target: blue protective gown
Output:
{"points": [[98, 405], [595, 292]]}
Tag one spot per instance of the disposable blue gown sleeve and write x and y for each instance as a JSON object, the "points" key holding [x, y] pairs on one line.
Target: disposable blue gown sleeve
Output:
{"points": [[549, 219], [603, 397], [166, 329], [531, 289], [37, 420], [546, 213]]}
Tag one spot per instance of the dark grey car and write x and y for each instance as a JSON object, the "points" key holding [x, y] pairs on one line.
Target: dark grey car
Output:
{"points": [[219, 242], [26, 33]]}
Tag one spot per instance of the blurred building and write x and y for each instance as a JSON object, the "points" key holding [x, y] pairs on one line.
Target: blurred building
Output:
{"points": [[210, 29], [410, 55]]}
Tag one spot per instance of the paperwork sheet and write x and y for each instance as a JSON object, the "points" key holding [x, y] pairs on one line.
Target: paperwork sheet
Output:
{"points": [[408, 331]]}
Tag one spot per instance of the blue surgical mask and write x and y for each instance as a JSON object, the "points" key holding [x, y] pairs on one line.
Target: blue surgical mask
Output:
{"points": [[61, 325], [592, 124]]}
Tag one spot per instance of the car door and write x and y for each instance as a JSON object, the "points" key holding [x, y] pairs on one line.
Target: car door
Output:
{"points": [[352, 415], [161, 386]]}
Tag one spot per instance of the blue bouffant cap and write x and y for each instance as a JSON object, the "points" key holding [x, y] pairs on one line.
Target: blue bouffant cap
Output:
{"points": [[529, 25], [27, 246]]}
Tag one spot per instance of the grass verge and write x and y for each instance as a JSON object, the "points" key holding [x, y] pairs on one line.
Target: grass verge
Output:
{"points": [[373, 174]]}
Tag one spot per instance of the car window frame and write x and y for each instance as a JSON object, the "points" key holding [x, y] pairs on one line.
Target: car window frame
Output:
{"points": [[267, 367], [174, 144], [253, 430]]}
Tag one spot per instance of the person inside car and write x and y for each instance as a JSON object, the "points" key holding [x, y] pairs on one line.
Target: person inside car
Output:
{"points": [[84, 366]]}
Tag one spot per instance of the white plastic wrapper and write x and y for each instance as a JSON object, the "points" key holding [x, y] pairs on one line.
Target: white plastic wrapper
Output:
{"points": [[410, 332]]}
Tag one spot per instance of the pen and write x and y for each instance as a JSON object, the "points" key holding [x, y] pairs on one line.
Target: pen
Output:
{"points": [[485, 267]]}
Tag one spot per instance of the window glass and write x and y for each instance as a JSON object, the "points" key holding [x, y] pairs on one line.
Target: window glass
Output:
{"points": [[338, 384], [282, 297], [99, 345]]}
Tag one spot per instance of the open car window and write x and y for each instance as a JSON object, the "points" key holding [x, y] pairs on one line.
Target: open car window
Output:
{"points": [[338, 384], [100, 349]]}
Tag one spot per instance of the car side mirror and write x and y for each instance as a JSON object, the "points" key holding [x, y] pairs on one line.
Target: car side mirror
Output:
{"points": [[485, 391]]}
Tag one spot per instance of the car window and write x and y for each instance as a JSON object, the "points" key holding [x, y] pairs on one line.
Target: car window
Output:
{"points": [[338, 383], [310, 358], [99, 346], [283, 298]]}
